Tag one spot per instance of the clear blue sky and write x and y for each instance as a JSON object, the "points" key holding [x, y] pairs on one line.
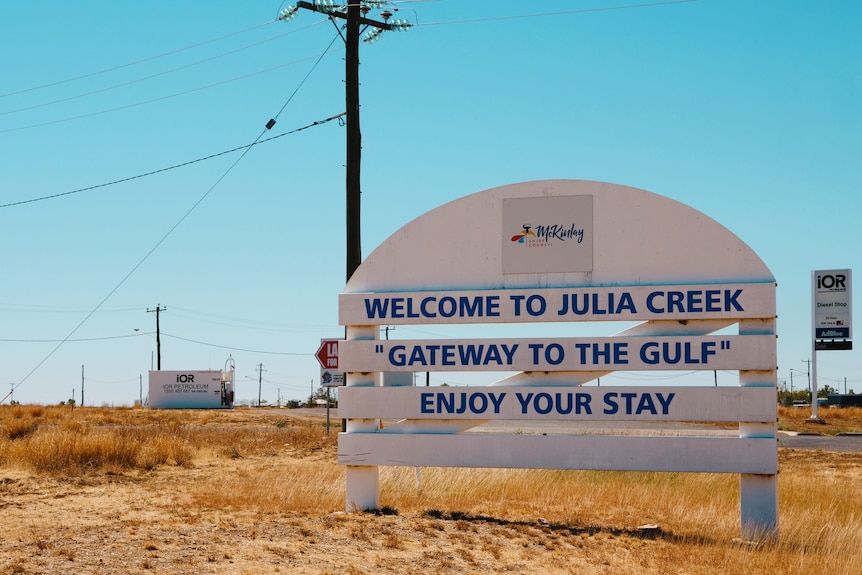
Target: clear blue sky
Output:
{"points": [[747, 110]]}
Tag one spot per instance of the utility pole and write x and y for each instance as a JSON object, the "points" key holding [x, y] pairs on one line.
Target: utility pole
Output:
{"points": [[355, 15], [82, 386], [259, 381], [158, 335], [808, 361]]}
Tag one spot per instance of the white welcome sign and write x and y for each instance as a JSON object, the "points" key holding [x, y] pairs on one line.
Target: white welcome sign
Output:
{"points": [[562, 251]]}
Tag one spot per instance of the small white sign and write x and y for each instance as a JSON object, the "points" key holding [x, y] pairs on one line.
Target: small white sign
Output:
{"points": [[832, 304]]}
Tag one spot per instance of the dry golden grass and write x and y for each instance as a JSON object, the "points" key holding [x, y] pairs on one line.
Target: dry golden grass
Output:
{"points": [[92, 490], [835, 420]]}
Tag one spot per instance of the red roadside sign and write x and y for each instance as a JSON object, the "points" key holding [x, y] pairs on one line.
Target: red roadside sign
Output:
{"points": [[327, 354]]}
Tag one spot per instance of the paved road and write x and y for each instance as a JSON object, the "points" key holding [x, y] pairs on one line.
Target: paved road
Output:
{"points": [[841, 443]]}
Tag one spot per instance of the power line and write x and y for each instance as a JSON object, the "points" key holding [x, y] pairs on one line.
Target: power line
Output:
{"points": [[233, 348], [104, 338], [156, 75], [133, 63], [153, 100], [175, 166], [558, 13]]}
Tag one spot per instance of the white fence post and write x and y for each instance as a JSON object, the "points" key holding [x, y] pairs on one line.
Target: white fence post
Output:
{"points": [[758, 494], [362, 481]]}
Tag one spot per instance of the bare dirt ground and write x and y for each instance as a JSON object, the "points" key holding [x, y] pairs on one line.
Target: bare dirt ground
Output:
{"points": [[127, 524], [154, 523]]}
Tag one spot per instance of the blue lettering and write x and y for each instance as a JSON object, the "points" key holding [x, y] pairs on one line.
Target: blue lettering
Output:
{"points": [[509, 352], [427, 402], [478, 403], [707, 348], [665, 404], [447, 307], [648, 354], [713, 300], [517, 299], [694, 301], [626, 303], [471, 309], [398, 307], [410, 311], [646, 404], [546, 398], [376, 308], [561, 409], [444, 406], [397, 356], [417, 356], [649, 302], [497, 400], [628, 397], [730, 300], [448, 355], [424, 309], [610, 402], [493, 355], [493, 306], [582, 403], [674, 300], [470, 354], [524, 401]]}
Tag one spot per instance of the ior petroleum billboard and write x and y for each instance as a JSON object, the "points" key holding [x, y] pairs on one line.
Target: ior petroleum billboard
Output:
{"points": [[209, 389]]}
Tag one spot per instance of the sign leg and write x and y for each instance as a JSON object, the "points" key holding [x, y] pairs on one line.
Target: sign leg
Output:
{"points": [[363, 491], [758, 501]]}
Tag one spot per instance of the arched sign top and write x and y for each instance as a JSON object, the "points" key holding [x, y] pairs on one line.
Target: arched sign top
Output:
{"points": [[554, 233]]}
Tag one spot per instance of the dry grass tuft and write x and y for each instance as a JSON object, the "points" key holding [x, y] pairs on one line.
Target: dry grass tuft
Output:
{"points": [[61, 440]]}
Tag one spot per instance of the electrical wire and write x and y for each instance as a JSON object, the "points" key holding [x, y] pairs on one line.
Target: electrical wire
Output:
{"points": [[558, 13], [234, 348], [135, 62], [158, 74], [104, 338], [249, 324], [158, 99], [174, 167]]}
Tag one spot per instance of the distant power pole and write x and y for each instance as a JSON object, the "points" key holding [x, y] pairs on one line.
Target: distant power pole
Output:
{"points": [[82, 386], [259, 381], [158, 336]]}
